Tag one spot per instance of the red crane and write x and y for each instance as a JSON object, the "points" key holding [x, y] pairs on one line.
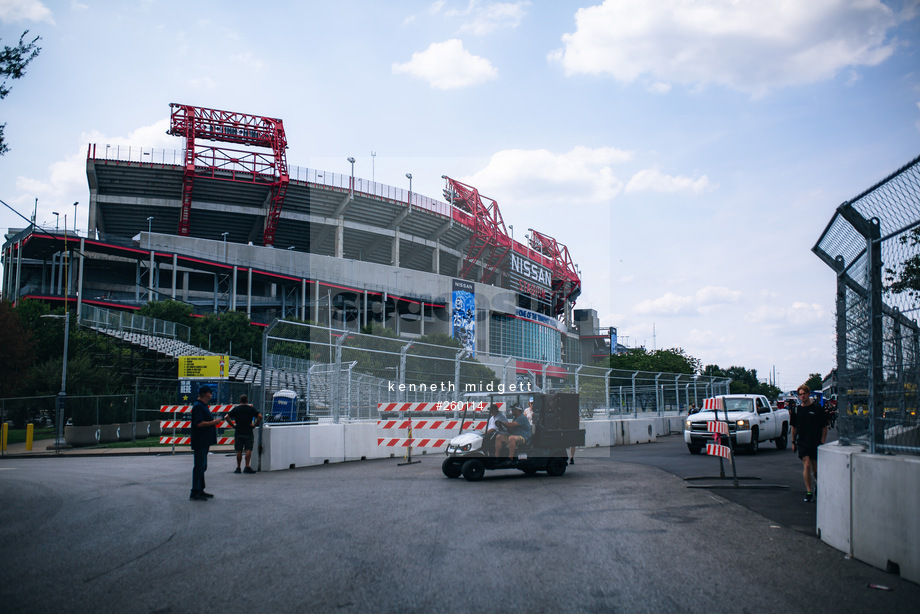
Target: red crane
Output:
{"points": [[490, 244], [196, 124]]}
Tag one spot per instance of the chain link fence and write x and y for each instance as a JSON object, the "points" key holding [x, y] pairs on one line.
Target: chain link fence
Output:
{"points": [[344, 375], [873, 244]]}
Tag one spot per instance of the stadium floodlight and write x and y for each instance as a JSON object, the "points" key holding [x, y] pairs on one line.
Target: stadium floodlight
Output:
{"points": [[352, 160]]}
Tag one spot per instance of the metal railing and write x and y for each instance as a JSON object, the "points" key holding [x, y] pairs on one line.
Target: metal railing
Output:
{"points": [[873, 244], [123, 321], [343, 375]]}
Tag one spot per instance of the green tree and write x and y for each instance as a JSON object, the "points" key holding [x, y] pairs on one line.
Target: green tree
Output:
{"points": [[18, 350], [908, 280], [13, 63], [674, 360], [169, 310], [220, 331], [814, 381]]}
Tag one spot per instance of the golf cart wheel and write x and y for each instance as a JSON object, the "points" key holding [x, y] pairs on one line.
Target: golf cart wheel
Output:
{"points": [[451, 468], [473, 470], [556, 466]]}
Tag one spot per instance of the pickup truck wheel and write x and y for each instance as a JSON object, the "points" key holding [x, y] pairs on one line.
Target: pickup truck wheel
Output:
{"points": [[694, 449], [529, 471], [473, 470], [783, 440], [451, 468], [556, 466], [755, 441]]}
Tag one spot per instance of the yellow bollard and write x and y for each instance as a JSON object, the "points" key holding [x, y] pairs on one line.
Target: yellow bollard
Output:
{"points": [[3, 431], [30, 430]]}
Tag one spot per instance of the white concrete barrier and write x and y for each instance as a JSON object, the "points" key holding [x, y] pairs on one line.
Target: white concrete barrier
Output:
{"points": [[318, 444], [867, 506], [636, 430]]}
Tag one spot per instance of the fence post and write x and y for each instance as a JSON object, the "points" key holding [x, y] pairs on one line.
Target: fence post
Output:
{"points": [[874, 252], [460, 355], [657, 399], [580, 367], [402, 369], [607, 391], [337, 378], [635, 409]]}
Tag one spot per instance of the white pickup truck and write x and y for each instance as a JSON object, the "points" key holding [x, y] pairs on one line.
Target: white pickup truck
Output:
{"points": [[751, 420]]}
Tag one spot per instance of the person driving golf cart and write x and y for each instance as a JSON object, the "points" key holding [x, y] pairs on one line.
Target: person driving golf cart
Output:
{"points": [[515, 434], [497, 420]]}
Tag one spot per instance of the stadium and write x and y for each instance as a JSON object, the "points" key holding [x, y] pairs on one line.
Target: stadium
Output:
{"points": [[225, 224]]}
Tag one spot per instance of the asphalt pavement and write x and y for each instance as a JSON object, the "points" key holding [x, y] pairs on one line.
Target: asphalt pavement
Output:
{"points": [[615, 533]]}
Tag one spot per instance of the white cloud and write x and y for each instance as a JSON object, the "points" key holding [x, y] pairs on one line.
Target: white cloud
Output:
{"points": [[703, 300], [24, 10], [77, 6], [66, 178], [748, 46], [659, 87], [248, 61], [798, 314], [654, 180], [486, 18], [581, 175], [447, 66]]}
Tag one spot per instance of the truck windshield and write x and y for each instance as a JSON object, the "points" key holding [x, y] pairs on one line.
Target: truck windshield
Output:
{"points": [[739, 404]]}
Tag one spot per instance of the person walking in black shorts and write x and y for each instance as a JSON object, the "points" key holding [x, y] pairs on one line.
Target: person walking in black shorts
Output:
{"points": [[244, 418], [809, 430]]}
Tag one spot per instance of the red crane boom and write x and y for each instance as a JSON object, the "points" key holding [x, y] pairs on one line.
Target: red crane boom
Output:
{"points": [[196, 124]]}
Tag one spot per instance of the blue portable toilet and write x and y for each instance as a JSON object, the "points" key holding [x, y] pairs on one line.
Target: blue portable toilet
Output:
{"points": [[284, 406]]}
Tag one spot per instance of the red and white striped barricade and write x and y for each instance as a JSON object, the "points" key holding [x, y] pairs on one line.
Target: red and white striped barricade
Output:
{"points": [[185, 440], [436, 431], [718, 428]]}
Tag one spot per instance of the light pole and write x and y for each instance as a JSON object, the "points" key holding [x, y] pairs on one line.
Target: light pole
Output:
{"points": [[511, 228], [224, 235], [57, 220], [291, 252], [149, 225], [409, 177], [75, 217], [62, 395], [352, 184], [373, 160]]}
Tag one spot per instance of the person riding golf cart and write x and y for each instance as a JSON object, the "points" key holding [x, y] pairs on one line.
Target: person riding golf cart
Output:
{"points": [[541, 447]]}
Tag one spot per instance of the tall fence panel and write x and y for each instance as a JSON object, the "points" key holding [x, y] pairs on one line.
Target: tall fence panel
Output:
{"points": [[343, 375], [873, 245]]}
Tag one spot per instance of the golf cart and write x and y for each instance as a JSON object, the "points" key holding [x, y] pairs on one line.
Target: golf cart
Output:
{"points": [[555, 430]]}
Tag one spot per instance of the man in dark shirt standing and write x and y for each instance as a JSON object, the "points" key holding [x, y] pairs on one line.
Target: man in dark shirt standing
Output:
{"points": [[809, 430], [204, 435], [244, 418]]}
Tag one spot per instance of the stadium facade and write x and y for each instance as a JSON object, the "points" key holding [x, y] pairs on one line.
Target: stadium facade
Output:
{"points": [[223, 228]]}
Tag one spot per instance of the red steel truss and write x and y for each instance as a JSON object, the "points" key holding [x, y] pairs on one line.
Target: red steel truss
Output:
{"points": [[197, 123], [566, 283], [490, 244]]}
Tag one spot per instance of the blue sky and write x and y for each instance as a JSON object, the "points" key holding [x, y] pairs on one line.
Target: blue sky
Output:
{"points": [[688, 153]]}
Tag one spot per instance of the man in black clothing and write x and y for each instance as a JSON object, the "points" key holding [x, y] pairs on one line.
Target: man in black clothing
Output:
{"points": [[204, 435], [809, 430], [244, 418]]}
